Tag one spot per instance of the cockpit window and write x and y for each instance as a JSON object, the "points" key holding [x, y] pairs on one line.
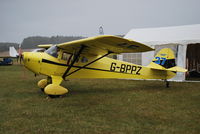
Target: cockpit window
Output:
{"points": [[65, 56], [53, 51]]}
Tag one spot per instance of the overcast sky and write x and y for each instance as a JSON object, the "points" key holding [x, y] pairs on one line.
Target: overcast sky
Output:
{"points": [[23, 18]]}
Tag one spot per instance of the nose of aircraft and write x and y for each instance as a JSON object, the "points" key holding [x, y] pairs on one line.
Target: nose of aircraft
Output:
{"points": [[32, 61], [25, 57]]}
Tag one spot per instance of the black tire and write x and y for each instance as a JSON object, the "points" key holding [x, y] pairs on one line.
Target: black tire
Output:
{"points": [[54, 96], [42, 89], [167, 84]]}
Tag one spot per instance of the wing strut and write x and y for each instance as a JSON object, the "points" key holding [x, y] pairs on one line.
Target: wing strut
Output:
{"points": [[89, 63], [73, 61]]}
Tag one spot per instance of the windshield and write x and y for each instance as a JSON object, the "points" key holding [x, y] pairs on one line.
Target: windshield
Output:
{"points": [[53, 51]]}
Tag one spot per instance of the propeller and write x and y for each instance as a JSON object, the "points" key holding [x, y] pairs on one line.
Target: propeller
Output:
{"points": [[21, 59], [23, 74], [20, 53]]}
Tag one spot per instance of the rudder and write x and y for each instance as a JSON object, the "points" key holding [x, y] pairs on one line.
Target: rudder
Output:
{"points": [[165, 58]]}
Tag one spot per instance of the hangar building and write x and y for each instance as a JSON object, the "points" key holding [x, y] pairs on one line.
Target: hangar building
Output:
{"points": [[183, 40]]}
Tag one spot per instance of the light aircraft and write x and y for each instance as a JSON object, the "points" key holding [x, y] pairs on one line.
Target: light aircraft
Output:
{"points": [[87, 58], [12, 53], [7, 59]]}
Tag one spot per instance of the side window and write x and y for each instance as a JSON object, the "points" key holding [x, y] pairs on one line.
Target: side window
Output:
{"points": [[65, 56], [84, 59]]}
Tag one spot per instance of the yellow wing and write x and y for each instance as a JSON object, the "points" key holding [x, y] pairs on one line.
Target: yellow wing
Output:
{"points": [[102, 44], [46, 46]]}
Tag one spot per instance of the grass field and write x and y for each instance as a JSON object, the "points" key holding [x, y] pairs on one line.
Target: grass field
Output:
{"points": [[97, 106]]}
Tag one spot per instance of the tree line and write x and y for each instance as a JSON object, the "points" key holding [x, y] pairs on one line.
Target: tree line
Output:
{"points": [[4, 46], [32, 42]]}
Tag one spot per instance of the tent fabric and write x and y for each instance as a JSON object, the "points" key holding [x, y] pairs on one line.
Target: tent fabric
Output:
{"points": [[179, 36], [163, 35]]}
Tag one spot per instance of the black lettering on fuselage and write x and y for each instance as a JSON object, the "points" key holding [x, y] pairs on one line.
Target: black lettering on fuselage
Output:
{"points": [[112, 67], [133, 69], [128, 68], [139, 68], [123, 68]]}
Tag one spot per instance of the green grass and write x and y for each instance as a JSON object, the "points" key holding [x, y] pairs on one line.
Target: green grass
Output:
{"points": [[97, 106]]}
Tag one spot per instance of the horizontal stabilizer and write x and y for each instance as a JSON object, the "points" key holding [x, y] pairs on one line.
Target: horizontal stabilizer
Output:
{"points": [[177, 69], [159, 67]]}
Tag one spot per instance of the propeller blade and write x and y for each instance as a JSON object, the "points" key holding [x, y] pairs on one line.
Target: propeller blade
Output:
{"points": [[21, 58]]}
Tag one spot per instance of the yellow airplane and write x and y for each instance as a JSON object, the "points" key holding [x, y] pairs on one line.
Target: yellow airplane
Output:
{"points": [[87, 58]]}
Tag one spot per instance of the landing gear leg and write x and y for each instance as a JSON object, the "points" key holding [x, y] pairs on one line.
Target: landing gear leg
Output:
{"points": [[49, 80], [167, 83]]}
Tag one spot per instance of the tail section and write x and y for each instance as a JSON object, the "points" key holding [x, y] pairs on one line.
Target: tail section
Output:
{"points": [[165, 60], [13, 52]]}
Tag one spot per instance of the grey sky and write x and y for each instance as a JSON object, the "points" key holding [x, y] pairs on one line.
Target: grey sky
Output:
{"points": [[23, 18]]}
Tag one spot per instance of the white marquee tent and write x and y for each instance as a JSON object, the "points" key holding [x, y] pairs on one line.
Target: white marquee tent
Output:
{"points": [[176, 37]]}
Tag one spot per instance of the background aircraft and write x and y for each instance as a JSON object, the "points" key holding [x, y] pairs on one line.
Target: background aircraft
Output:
{"points": [[7, 60]]}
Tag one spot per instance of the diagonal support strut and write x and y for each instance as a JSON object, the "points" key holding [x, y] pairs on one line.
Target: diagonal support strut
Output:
{"points": [[73, 61], [89, 63]]}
